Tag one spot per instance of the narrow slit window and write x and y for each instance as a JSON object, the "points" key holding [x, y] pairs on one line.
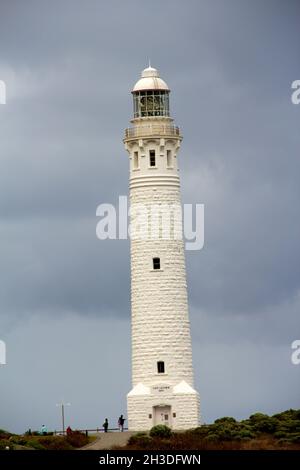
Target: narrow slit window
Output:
{"points": [[156, 263], [169, 159], [161, 367], [135, 160], [152, 158]]}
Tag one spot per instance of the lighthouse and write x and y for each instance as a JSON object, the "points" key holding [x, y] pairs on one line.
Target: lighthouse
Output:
{"points": [[162, 372]]}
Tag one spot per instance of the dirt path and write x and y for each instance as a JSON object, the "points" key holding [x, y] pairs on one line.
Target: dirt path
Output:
{"points": [[107, 440]]}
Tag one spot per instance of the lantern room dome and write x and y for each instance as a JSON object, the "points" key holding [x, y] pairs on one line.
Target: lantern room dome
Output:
{"points": [[150, 80]]}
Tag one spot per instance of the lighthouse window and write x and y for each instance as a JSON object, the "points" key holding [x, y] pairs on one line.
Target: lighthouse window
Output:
{"points": [[161, 367], [152, 158], [156, 263], [135, 160], [169, 159]]}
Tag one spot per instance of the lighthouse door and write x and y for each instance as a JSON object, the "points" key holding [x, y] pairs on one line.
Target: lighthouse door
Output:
{"points": [[162, 415]]}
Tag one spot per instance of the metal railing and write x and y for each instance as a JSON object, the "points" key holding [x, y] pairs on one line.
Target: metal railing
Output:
{"points": [[87, 431], [152, 129]]}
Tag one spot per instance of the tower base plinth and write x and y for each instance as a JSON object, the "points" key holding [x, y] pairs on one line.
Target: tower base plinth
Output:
{"points": [[149, 406]]}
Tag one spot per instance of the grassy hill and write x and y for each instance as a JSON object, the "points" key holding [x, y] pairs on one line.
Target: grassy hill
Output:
{"points": [[258, 432]]}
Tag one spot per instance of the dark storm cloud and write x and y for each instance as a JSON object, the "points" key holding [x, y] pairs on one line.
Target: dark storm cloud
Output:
{"points": [[44, 269], [69, 68]]}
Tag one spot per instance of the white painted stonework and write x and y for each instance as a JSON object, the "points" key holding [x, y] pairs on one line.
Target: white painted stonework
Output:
{"points": [[159, 303]]}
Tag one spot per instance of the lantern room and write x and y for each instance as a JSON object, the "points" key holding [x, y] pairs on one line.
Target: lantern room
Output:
{"points": [[150, 95]]}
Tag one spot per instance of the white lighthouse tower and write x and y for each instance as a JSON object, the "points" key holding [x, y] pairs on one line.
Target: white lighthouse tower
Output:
{"points": [[162, 372]]}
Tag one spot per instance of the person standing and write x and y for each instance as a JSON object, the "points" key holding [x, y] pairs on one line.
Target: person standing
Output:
{"points": [[44, 430], [105, 425], [121, 422]]}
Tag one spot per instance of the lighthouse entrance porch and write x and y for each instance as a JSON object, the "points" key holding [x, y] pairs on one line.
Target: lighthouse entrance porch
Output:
{"points": [[162, 415]]}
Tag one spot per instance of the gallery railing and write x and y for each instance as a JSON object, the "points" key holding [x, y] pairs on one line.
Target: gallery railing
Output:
{"points": [[152, 129]]}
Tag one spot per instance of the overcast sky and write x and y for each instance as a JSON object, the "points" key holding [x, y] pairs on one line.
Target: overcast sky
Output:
{"points": [[69, 67]]}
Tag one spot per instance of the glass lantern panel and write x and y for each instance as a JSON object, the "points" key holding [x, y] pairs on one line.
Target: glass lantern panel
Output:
{"points": [[150, 103]]}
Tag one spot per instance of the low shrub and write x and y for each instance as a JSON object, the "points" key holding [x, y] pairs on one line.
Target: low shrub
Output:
{"points": [[245, 434], [296, 439], [49, 443], [20, 440], [35, 444], [263, 423], [285, 441], [135, 437], [4, 434], [140, 439], [225, 420], [280, 434], [4, 443], [212, 438], [160, 430], [200, 431], [56, 443], [77, 439]]}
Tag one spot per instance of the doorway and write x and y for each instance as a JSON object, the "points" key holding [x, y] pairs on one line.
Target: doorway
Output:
{"points": [[162, 415]]}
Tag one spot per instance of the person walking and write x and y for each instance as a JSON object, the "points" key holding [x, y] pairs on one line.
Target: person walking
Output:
{"points": [[105, 425], [121, 422]]}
